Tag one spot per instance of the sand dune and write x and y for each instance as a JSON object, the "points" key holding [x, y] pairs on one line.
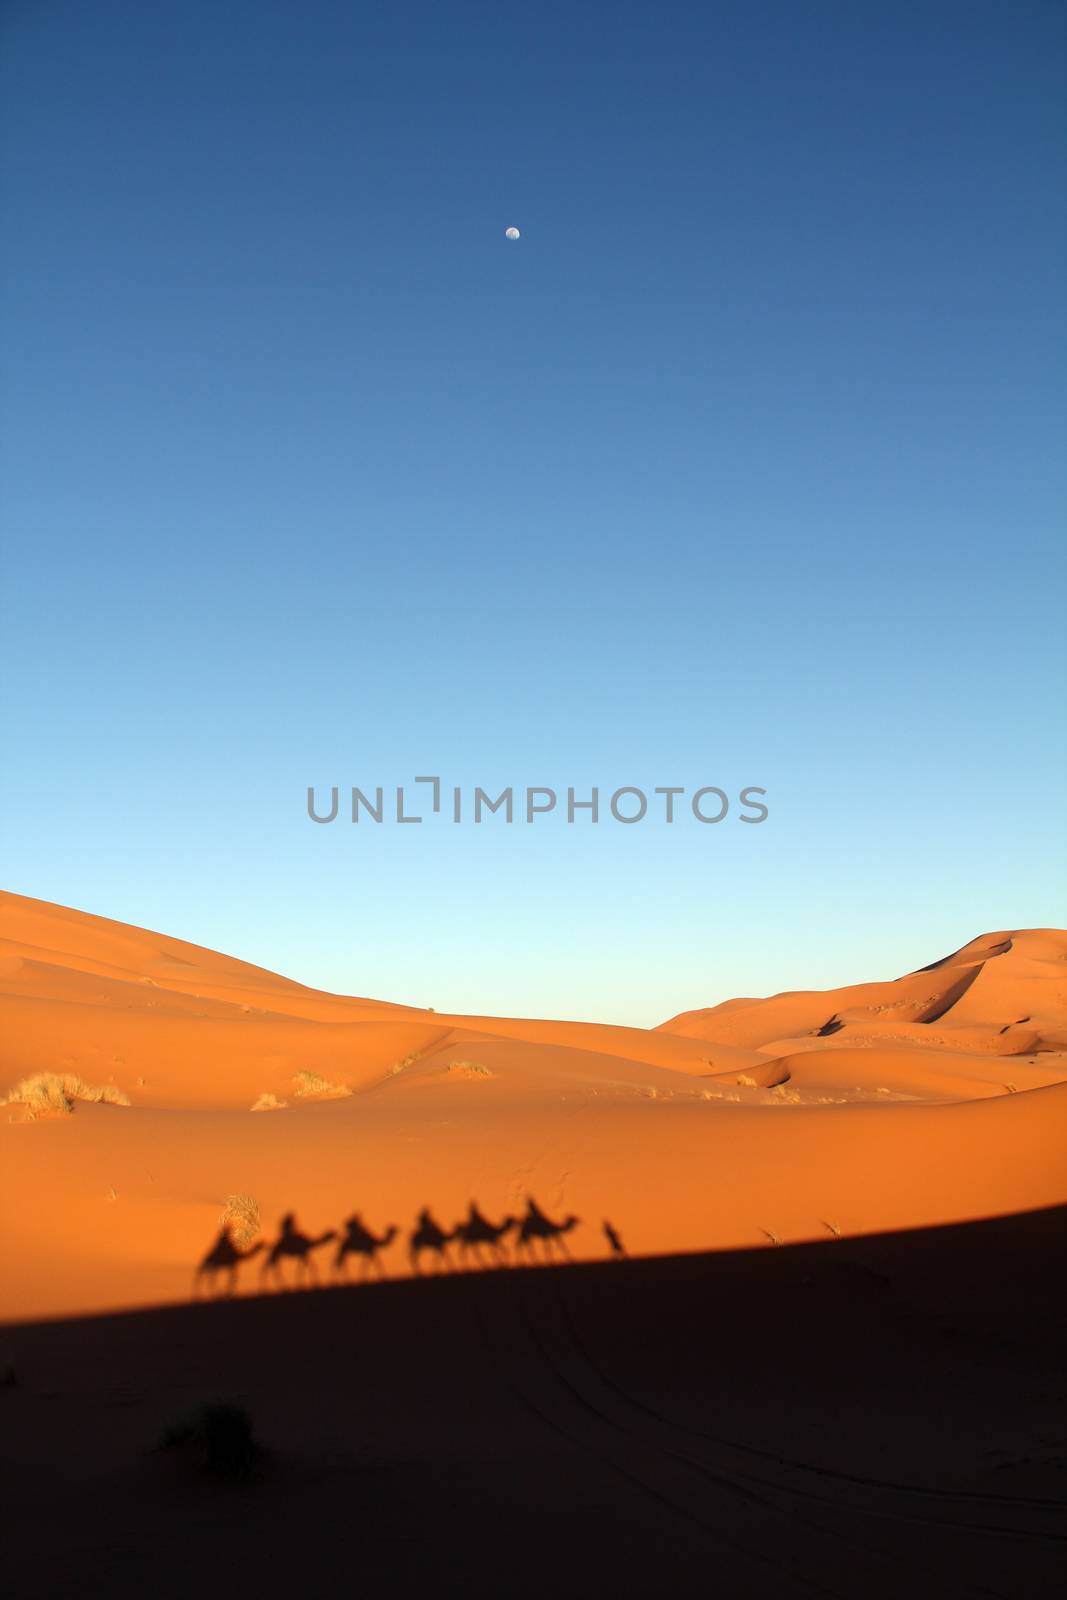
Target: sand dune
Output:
{"points": [[938, 1097]]}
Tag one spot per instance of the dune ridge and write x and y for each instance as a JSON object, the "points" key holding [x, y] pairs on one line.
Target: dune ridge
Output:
{"points": [[936, 1097]]}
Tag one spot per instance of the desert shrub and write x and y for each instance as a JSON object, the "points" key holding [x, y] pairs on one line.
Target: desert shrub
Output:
{"points": [[54, 1094], [309, 1085], [241, 1216], [268, 1102], [469, 1069], [219, 1434]]}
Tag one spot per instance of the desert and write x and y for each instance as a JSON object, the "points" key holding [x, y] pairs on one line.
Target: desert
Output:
{"points": [[776, 1266], [935, 1098]]}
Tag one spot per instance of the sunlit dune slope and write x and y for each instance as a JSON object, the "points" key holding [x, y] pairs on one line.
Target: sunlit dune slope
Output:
{"points": [[1004, 994], [936, 1097]]}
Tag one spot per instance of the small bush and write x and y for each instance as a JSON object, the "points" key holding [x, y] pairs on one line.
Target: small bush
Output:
{"points": [[268, 1102], [241, 1216], [408, 1061], [310, 1086], [219, 1434], [54, 1094], [469, 1069]]}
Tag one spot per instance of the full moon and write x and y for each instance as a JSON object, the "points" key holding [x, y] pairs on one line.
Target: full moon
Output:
{"points": [[511, 233]]}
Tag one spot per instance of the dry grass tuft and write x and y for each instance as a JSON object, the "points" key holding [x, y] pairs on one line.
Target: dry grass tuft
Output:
{"points": [[469, 1069], [749, 1083], [784, 1096], [268, 1102], [241, 1216], [52, 1094], [408, 1061], [310, 1086]]}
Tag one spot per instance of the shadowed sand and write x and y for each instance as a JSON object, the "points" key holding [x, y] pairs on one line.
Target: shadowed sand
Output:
{"points": [[938, 1097], [876, 1417]]}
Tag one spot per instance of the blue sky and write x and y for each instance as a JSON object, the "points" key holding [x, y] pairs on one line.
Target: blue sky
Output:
{"points": [[742, 466]]}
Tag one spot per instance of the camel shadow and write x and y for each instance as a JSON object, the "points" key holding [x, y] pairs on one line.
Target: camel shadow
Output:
{"points": [[291, 1244], [535, 1225], [478, 1241], [477, 1238], [429, 1236], [358, 1240], [219, 1266]]}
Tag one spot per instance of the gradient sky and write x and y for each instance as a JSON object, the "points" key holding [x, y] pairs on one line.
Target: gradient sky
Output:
{"points": [[742, 467]]}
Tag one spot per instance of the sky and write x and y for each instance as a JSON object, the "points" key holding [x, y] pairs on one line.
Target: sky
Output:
{"points": [[741, 467]]}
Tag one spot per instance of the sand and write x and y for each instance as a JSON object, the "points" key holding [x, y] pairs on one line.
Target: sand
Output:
{"points": [[829, 1364], [938, 1097]]}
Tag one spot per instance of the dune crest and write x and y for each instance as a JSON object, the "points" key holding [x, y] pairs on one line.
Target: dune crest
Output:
{"points": [[935, 1097]]}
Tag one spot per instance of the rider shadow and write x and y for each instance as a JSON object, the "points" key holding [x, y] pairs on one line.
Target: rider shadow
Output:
{"points": [[219, 1266], [293, 1245], [478, 1238], [429, 1237], [535, 1225], [358, 1240]]}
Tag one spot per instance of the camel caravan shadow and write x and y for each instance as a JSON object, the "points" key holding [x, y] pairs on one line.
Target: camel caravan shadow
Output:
{"points": [[477, 1242]]}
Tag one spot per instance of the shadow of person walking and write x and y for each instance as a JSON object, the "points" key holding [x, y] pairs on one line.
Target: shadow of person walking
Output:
{"points": [[292, 1243], [618, 1249]]}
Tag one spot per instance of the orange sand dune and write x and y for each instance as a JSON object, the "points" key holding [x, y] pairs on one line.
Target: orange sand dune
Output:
{"points": [[1001, 981], [938, 1097]]}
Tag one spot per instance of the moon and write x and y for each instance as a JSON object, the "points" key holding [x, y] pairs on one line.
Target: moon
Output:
{"points": [[511, 233]]}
